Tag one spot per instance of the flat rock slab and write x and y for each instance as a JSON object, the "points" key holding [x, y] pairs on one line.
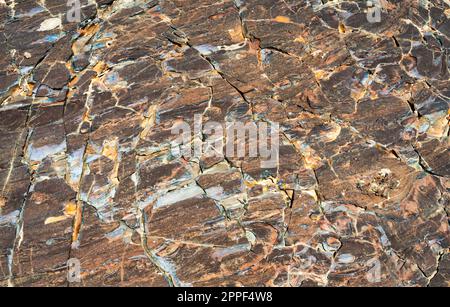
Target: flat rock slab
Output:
{"points": [[95, 191]]}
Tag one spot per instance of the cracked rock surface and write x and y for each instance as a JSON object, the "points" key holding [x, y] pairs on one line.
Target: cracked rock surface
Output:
{"points": [[359, 196]]}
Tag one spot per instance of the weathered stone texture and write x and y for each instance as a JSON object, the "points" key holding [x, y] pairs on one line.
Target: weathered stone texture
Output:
{"points": [[359, 196]]}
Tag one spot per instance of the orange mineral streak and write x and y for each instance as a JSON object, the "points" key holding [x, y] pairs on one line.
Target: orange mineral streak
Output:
{"points": [[282, 19]]}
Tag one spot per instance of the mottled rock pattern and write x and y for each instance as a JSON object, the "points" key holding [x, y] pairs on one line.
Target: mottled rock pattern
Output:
{"points": [[86, 169]]}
